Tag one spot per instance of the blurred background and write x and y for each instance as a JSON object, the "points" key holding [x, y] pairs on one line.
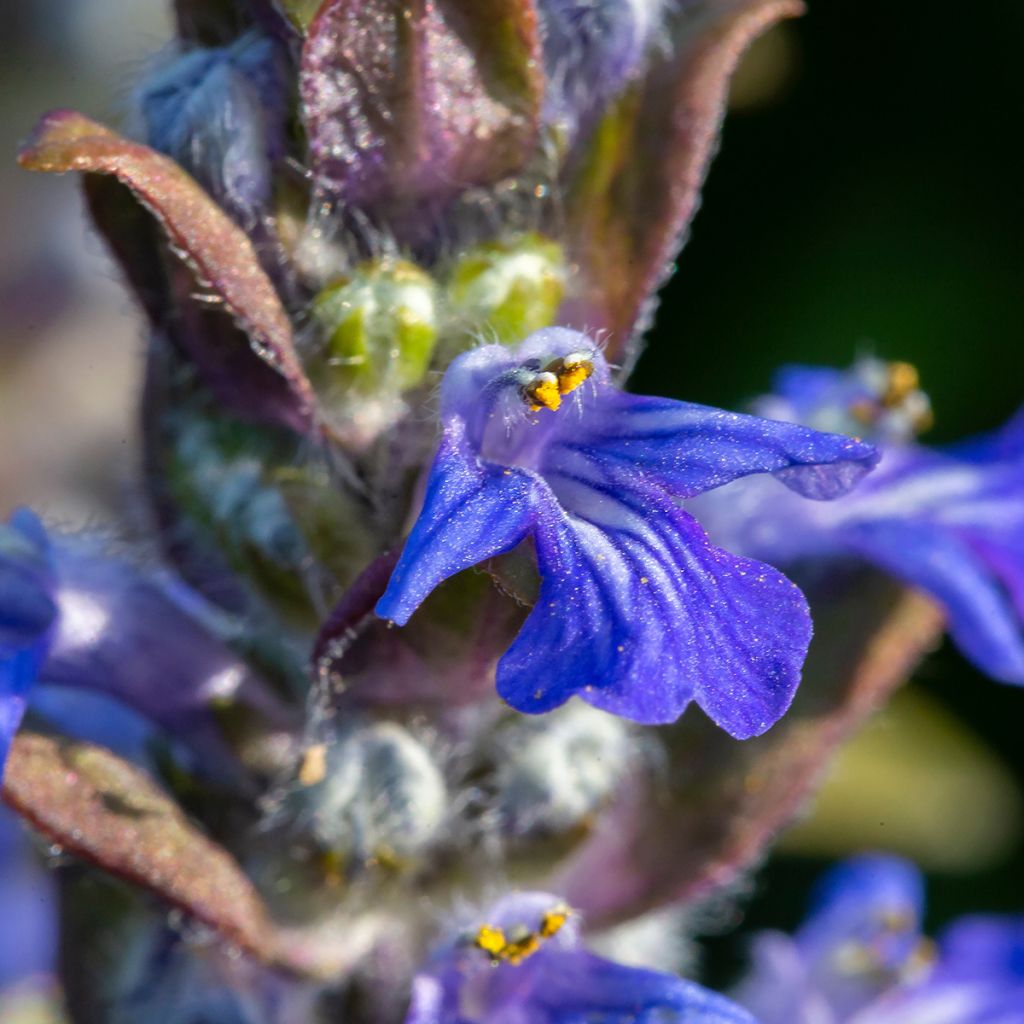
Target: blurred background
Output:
{"points": [[867, 198]]}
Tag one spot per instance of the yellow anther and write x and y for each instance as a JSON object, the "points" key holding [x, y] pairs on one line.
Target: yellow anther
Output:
{"points": [[553, 921], [574, 371], [523, 942], [516, 952], [491, 940], [314, 765], [543, 392], [902, 380]]}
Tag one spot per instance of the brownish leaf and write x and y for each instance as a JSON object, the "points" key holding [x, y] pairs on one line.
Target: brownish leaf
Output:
{"points": [[219, 253], [105, 811], [692, 823]]}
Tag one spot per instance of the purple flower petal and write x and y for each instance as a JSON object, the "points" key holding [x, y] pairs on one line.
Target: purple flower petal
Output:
{"points": [[27, 613], [472, 511], [931, 556], [693, 448], [982, 947], [28, 923], [639, 614]]}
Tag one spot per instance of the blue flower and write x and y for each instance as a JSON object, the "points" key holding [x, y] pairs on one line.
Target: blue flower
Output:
{"points": [[950, 522], [526, 964], [638, 613], [109, 651], [28, 923], [860, 957], [27, 613]]}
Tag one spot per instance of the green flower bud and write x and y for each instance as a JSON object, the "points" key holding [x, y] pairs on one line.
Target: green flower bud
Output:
{"points": [[380, 324], [509, 287]]}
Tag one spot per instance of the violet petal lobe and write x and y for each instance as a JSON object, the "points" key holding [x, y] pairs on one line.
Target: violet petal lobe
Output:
{"points": [[27, 613], [639, 614], [731, 799], [693, 448], [216, 250], [417, 101], [931, 556], [472, 511]]}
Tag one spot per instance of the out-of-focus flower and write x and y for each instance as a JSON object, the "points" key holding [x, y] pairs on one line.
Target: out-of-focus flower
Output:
{"points": [[637, 613], [27, 612], [28, 925], [948, 521], [861, 958], [526, 963], [592, 49], [75, 618]]}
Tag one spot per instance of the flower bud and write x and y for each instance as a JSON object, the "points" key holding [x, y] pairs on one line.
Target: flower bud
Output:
{"points": [[555, 771], [509, 288], [380, 325], [220, 113], [377, 794], [592, 49]]}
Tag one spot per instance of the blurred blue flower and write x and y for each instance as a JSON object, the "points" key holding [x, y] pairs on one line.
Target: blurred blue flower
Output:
{"points": [[87, 632], [526, 964], [27, 613], [637, 613], [861, 958], [28, 922], [592, 49], [950, 521]]}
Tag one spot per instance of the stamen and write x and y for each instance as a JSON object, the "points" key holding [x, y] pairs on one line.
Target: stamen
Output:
{"points": [[491, 940], [575, 370], [554, 921], [544, 389], [523, 942], [543, 392]]}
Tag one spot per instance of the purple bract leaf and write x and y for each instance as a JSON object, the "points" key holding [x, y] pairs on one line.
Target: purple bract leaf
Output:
{"points": [[105, 811], [218, 252], [445, 656], [414, 100], [636, 187], [728, 800]]}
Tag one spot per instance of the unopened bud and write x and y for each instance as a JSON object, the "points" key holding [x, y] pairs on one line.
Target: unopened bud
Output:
{"points": [[380, 795], [553, 772], [509, 288], [380, 326]]}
